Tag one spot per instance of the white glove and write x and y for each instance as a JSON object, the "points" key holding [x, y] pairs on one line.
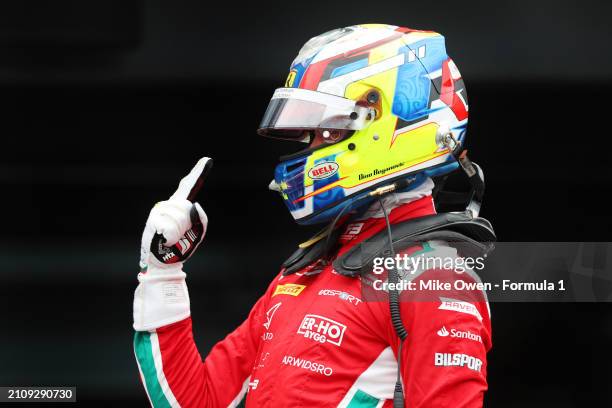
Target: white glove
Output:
{"points": [[172, 233]]}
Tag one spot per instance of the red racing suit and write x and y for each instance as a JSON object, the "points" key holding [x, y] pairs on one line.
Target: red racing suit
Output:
{"points": [[312, 340]]}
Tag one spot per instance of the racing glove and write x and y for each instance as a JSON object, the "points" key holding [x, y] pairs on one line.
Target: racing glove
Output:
{"points": [[173, 231]]}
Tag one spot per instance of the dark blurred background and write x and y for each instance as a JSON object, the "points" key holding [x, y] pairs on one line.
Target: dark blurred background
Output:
{"points": [[105, 105]]}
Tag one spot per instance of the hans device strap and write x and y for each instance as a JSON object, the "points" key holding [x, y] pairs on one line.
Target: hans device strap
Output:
{"points": [[306, 255], [471, 236]]}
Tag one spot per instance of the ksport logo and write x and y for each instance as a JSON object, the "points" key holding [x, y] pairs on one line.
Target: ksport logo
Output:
{"points": [[322, 329], [459, 334], [323, 170], [342, 295]]}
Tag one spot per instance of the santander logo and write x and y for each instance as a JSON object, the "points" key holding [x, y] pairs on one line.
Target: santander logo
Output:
{"points": [[323, 170], [459, 334], [443, 332]]}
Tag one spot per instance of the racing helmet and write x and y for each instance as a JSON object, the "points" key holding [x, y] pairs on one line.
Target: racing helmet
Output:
{"points": [[374, 103]]}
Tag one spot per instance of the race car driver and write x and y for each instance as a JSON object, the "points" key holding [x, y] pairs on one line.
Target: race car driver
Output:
{"points": [[382, 109]]}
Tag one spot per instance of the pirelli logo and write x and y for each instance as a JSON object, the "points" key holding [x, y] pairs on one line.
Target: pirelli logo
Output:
{"points": [[291, 289]]}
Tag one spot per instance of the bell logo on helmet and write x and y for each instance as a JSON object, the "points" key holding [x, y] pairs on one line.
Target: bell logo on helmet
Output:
{"points": [[323, 170]]}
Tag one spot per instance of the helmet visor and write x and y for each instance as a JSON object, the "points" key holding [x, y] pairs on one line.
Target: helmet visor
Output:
{"points": [[293, 110]]}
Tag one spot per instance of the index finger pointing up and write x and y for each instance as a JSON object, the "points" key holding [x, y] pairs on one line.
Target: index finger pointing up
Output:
{"points": [[190, 184]]}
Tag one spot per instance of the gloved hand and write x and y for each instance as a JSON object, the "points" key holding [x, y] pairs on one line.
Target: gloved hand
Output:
{"points": [[172, 233]]}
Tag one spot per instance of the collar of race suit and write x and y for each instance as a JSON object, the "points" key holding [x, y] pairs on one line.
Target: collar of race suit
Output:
{"points": [[356, 231]]}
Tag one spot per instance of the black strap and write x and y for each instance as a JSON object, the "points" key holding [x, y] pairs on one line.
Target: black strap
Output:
{"points": [[476, 177], [303, 257], [451, 227]]}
